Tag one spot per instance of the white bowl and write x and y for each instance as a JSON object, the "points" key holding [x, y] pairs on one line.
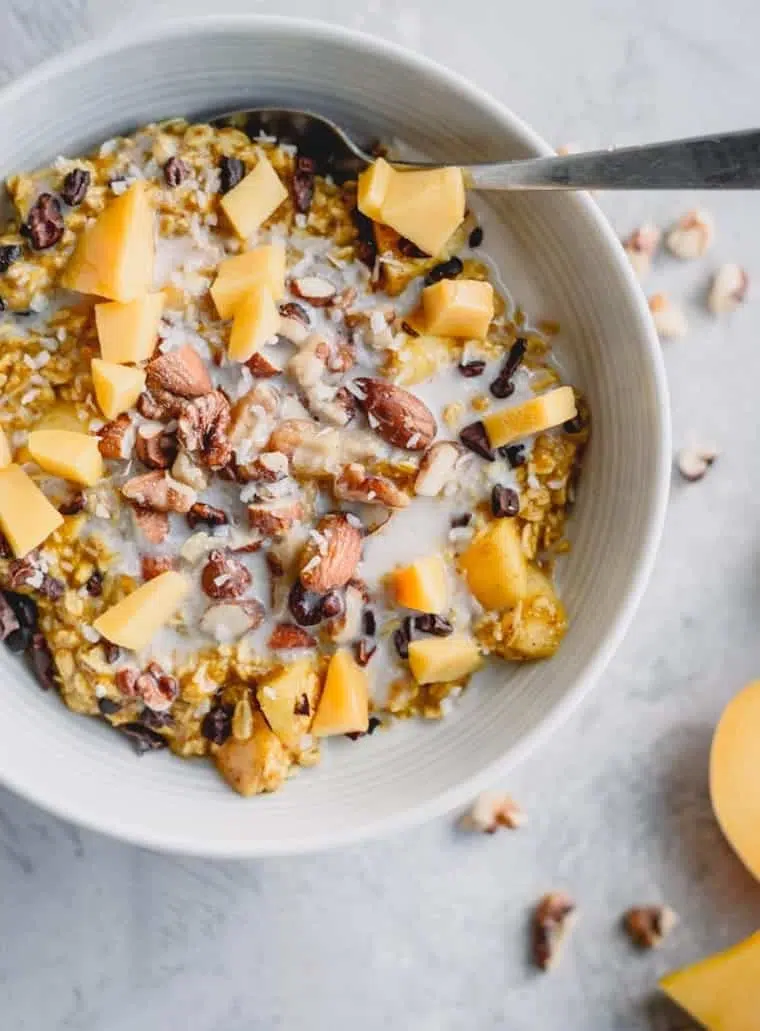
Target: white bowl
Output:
{"points": [[570, 266]]}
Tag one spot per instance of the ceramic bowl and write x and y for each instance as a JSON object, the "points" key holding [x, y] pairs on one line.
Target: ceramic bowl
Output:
{"points": [[559, 258]]}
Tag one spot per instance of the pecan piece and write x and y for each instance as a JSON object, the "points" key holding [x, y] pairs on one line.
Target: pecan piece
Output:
{"points": [[552, 918], [207, 514], [181, 372], [156, 447], [355, 484], [203, 429], [115, 437], [154, 526], [224, 577], [288, 635], [152, 566], [649, 925], [395, 414], [330, 557], [156, 688], [175, 171], [160, 492]]}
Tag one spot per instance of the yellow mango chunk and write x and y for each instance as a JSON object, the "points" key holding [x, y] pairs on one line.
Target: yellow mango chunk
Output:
{"points": [[117, 387], [5, 450], [735, 775], [424, 585], [114, 256], [424, 206], [256, 320], [433, 660], [263, 266], [282, 694], [540, 413], [73, 456], [721, 992], [458, 308], [26, 516], [344, 705], [127, 331], [256, 765], [494, 566], [133, 621], [254, 199]]}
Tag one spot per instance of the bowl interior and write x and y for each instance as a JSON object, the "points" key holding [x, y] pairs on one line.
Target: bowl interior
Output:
{"points": [[558, 258]]}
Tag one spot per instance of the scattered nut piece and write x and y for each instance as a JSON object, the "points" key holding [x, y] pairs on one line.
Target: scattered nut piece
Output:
{"points": [[200, 513], [275, 518], [288, 635], [186, 471], [159, 404], [641, 247], [229, 620], [224, 577], [691, 236], [669, 319], [203, 429], [152, 566], [355, 484], [261, 367], [331, 554], [728, 289], [153, 525], [159, 492], [181, 372], [314, 289], [552, 919], [396, 415], [693, 463], [490, 811], [649, 925], [116, 438], [437, 468], [155, 446]]}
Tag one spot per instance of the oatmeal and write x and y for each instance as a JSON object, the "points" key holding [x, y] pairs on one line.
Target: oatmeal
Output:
{"points": [[278, 461]]}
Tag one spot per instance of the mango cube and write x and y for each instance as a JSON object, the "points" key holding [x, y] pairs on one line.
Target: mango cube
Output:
{"points": [[257, 764], [494, 566], [344, 705], [424, 585], [434, 660], [5, 450], [72, 456], [27, 518], [458, 308], [254, 199], [117, 387], [133, 621], [424, 206], [540, 413], [720, 992], [127, 331], [263, 266], [256, 320], [735, 775], [114, 256], [281, 698]]}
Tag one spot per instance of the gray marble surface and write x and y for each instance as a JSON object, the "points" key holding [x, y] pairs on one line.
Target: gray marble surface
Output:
{"points": [[426, 931]]}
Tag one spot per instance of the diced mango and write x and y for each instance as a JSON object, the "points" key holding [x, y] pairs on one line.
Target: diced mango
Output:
{"points": [[494, 566], [114, 256], [433, 660], [117, 387], [540, 413], [263, 266], [535, 628], [458, 308], [27, 518], [735, 775], [258, 764], [344, 705], [72, 456], [721, 992], [127, 331], [425, 206], [419, 359], [281, 698], [5, 450], [424, 585], [133, 621], [256, 320], [254, 199]]}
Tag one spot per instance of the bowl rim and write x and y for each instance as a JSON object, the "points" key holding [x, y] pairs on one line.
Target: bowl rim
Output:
{"points": [[119, 38]]}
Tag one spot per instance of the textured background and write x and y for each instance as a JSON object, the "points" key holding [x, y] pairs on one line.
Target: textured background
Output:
{"points": [[426, 931]]}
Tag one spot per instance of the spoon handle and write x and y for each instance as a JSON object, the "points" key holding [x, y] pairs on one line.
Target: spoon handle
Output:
{"points": [[729, 161]]}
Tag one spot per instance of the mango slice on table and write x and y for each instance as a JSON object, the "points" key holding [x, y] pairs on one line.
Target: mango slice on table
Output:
{"points": [[114, 256], [434, 660], [540, 413], [65, 453], [127, 331], [458, 308], [27, 518], [256, 320], [117, 387], [721, 992], [254, 199], [424, 585], [288, 700], [5, 450], [133, 621], [494, 565], [263, 266], [344, 704]]}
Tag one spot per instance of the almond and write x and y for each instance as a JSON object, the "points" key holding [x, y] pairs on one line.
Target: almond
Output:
{"points": [[229, 620], [437, 468], [261, 367], [355, 484], [154, 526], [159, 492], [288, 635], [331, 555], [115, 437], [395, 414], [314, 289], [224, 577], [181, 372], [274, 518]]}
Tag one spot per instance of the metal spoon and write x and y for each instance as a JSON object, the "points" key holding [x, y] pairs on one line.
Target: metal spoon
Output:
{"points": [[728, 161]]}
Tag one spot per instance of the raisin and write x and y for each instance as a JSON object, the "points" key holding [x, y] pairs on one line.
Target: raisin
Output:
{"points": [[305, 606], [175, 171], [72, 505], [471, 369], [476, 237], [461, 520], [475, 438], [231, 171], [9, 253], [94, 585], [24, 609], [369, 623], [505, 502], [333, 605], [401, 640], [42, 662], [216, 726], [302, 706], [514, 454], [108, 706], [445, 270], [44, 223], [429, 623], [366, 249], [303, 184], [75, 186]]}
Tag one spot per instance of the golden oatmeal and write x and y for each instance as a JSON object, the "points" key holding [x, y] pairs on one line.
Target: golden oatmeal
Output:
{"points": [[278, 461]]}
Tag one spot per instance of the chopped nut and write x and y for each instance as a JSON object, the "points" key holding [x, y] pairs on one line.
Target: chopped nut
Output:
{"points": [[288, 635], [728, 289], [317, 291], [206, 514], [153, 525], [275, 518], [649, 925], [159, 492], [552, 918], [224, 576], [398, 416], [253, 419], [203, 429], [116, 438], [490, 811], [692, 234], [155, 446], [152, 566], [437, 468], [669, 320], [641, 247], [348, 625], [159, 405], [292, 434], [156, 688], [693, 463], [355, 484], [181, 372], [186, 471], [331, 555], [229, 620], [242, 720], [261, 367]]}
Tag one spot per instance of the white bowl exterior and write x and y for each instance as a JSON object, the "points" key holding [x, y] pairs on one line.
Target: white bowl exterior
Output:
{"points": [[82, 771]]}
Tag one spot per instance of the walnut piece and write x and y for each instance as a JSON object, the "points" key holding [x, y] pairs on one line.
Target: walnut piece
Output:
{"points": [[203, 429], [155, 446]]}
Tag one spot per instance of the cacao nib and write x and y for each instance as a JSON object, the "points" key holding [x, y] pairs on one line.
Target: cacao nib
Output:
{"points": [[505, 502], [216, 726], [445, 270], [9, 253], [75, 186], [303, 184], [142, 738], [231, 171], [475, 438], [43, 662]]}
